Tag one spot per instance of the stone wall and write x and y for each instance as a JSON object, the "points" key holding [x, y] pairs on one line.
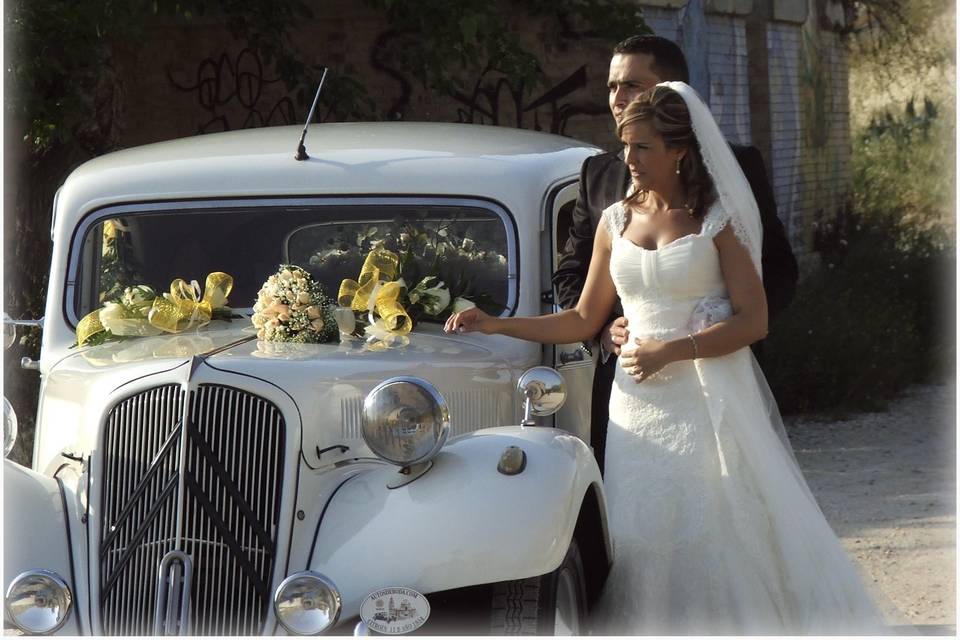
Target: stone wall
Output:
{"points": [[193, 77]]}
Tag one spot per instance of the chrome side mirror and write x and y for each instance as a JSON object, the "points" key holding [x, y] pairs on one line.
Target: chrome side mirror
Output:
{"points": [[10, 328], [544, 392]]}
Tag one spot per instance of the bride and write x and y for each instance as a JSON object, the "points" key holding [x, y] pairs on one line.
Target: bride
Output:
{"points": [[714, 528]]}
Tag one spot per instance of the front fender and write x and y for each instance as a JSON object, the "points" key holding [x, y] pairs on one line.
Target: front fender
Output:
{"points": [[462, 523], [35, 530]]}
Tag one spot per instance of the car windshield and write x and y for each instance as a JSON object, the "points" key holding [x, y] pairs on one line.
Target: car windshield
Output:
{"points": [[465, 246]]}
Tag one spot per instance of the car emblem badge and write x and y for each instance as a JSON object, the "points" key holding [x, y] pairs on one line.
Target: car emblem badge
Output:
{"points": [[394, 610]]}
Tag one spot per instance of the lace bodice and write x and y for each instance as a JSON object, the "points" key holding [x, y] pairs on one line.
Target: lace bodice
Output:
{"points": [[666, 292]]}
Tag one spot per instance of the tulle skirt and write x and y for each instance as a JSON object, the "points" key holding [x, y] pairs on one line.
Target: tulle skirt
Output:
{"points": [[714, 528]]}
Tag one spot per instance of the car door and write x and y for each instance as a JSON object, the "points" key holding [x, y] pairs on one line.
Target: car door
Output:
{"points": [[576, 361]]}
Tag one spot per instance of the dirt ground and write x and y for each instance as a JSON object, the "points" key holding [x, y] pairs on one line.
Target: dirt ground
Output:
{"points": [[887, 484]]}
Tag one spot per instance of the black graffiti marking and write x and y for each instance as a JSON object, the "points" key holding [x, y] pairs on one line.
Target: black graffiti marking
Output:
{"points": [[381, 50], [222, 84], [483, 104]]}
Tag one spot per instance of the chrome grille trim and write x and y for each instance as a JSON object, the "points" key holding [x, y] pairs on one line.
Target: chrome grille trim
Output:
{"points": [[141, 446], [351, 417], [470, 409], [211, 490]]}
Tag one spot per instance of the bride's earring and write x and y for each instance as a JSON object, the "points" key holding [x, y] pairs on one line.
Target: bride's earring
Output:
{"points": [[678, 166]]}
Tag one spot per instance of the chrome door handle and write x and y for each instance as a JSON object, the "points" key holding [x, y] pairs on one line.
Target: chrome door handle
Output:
{"points": [[566, 357]]}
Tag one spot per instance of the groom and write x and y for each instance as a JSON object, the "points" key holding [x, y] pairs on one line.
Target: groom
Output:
{"points": [[638, 63]]}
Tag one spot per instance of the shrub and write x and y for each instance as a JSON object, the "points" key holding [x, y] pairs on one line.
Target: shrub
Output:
{"points": [[878, 313], [872, 319]]}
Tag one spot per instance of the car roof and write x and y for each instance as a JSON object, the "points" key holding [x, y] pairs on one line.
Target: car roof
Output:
{"points": [[345, 158]]}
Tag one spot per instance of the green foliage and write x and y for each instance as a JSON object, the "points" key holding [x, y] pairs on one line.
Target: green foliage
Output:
{"points": [[62, 59], [903, 164], [875, 317], [878, 314], [891, 36], [56, 50]]}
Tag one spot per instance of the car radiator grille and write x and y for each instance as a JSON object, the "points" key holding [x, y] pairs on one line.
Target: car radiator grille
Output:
{"points": [[223, 511]]}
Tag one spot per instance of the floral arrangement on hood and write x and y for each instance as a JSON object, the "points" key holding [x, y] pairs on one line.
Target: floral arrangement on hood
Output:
{"points": [[384, 308], [291, 306], [139, 311]]}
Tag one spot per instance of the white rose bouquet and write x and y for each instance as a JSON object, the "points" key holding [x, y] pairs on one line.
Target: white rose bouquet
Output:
{"points": [[292, 307]]}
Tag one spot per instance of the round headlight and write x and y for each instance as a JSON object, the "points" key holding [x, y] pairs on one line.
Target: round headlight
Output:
{"points": [[405, 420], [9, 427], [38, 601], [307, 603]]}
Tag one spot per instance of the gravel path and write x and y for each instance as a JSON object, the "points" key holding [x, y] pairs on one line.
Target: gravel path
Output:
{"points": [[887, 484]]}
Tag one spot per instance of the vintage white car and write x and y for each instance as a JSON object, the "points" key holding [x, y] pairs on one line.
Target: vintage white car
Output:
{"points": [[208, 482]]}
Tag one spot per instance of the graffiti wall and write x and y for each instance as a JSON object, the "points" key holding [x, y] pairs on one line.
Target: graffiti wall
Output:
{"points": [[195, 78]]}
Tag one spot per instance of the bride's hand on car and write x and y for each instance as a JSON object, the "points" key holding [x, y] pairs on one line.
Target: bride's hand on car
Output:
{"points": [[472, 319]]}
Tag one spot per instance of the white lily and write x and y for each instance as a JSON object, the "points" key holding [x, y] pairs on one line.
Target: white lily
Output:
{"points": [[138, 297], [122, 322], [379, 337], [435, 299]]}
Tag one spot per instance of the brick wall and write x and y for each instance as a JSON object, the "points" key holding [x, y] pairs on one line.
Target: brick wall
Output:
{"points": [[783, 55], [825, 158], [810, 126], [729, 81], [727, 88], [664, 22]]}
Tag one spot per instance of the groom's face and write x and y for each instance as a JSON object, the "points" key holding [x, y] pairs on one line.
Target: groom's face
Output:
{"points": [[630, 75]]}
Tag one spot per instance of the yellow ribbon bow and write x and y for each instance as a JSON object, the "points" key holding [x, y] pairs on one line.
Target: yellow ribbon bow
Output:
{"points": [[375, 291], [88, 327], [183, 308], [177, 311]]}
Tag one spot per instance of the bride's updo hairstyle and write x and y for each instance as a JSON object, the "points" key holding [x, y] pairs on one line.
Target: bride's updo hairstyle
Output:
{"points": [[667, 112]]}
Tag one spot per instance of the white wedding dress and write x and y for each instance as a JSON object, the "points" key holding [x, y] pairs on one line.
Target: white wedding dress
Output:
{"points": [[714, 528]]}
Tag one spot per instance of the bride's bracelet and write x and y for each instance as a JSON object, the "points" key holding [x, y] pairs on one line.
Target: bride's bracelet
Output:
{"points": [[696, 352]]}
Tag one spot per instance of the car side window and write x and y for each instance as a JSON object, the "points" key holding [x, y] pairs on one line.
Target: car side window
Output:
{"points": [[562, 227], [564, 200]]}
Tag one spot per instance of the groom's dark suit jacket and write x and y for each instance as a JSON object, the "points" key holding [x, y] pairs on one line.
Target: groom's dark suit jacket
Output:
{"points": [[603, 181]]}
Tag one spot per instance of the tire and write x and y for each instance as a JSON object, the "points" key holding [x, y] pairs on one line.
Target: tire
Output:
{"points": [[551, 604]]}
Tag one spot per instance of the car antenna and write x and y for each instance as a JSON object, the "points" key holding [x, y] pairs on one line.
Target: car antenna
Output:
{"points": [[302, 150]]}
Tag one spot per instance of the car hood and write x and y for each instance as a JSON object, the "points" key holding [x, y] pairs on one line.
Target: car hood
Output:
{"points": [[476, 374], [237, 349]]}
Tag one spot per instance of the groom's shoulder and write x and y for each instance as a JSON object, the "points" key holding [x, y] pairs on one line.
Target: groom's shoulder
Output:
{"points": [[597, 166], [746, 154]]}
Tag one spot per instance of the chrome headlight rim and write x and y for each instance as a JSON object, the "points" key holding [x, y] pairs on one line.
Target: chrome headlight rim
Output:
{"points": [[440, 407], [55, 581], [10, 427], [323, 581]]}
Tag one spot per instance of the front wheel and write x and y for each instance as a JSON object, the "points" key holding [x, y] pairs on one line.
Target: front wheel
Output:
{"points": [[552, 604]]}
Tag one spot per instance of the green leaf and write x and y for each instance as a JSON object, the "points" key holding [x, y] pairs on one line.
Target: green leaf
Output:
{"points": [[468, 27]]}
